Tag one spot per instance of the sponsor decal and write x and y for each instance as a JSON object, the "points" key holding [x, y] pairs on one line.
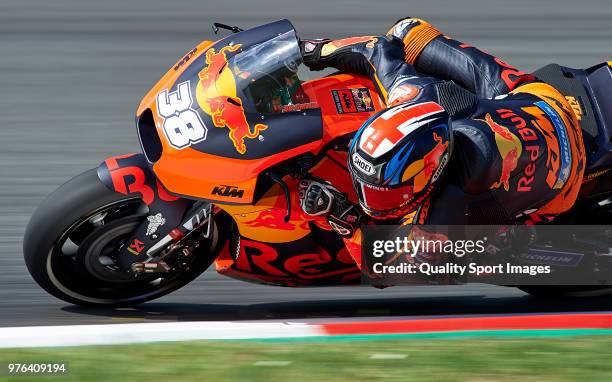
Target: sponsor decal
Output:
{"points": [[595, 174], [575, 105], [428, 169], [551, 257], [272, 262], [228, 191], [432, 161], [363, 165], [334, 45], [121, 175], [510, 149], [403, 93], [564, 145], [129, 179], [543, 124], [299, 107], [182, 124], [155, 221], [353, 100], [185, 58], [344, 101], [225, 107], [531, 145], [275, 217], [443, 162], [511, 76], [136, 247]]}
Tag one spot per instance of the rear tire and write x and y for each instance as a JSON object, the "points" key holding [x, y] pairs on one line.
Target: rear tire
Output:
{"points": [[70, 217]]}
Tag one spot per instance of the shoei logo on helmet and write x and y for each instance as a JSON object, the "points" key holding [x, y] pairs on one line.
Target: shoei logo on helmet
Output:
{"points": [[389, 128], [363, 165]]}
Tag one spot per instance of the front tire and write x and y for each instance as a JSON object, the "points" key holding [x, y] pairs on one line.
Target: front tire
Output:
{"points": [[71, 238]]}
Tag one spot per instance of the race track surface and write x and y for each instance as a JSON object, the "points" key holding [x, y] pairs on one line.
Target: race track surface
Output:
{"points": [[73, 71]]}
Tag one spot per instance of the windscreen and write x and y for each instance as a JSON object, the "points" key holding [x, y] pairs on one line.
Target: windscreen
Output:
{"points": [[267, 75]]}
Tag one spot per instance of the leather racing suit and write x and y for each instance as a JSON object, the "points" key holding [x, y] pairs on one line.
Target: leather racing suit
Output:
{"points": [[518, 156]]}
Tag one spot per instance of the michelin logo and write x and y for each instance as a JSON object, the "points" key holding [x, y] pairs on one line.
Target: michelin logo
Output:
{"points": [[155, 221]]}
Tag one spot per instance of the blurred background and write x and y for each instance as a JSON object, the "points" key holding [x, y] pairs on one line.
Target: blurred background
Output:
{"points": [[73, 71]]}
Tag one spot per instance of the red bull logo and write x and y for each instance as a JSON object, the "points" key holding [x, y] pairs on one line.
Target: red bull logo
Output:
{"points": [[432, 160], [423, 170], [274, 217], [334, 45], [216, 95], [510, 149]]}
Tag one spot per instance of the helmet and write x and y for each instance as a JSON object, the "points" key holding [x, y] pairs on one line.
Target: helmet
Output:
{"points": [[398, 156]]}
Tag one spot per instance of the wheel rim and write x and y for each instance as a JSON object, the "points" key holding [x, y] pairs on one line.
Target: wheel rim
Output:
{"points": [[81, 265]]}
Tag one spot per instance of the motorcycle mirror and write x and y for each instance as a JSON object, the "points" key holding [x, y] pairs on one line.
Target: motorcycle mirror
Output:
{"points": [[217, 26]]}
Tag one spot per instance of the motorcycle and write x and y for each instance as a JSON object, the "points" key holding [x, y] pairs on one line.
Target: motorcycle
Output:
{"points": [[226, 135]]}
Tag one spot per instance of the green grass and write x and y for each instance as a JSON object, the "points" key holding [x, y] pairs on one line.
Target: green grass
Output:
{"points": [[581, 358]]}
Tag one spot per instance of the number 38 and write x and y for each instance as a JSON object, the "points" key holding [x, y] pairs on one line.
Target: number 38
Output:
{"points": [[182, 125]]}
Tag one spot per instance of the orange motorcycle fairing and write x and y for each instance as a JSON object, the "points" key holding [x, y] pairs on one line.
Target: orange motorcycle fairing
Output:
{"points": [[196, 174], [204, 139], [296, 264], [265, 220], [303, 251]]}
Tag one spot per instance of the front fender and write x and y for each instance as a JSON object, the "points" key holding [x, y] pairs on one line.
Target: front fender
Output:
{"points": [[130, 174]]}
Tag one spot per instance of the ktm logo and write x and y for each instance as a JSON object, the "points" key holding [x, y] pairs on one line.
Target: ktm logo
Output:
{"points": [[228, 191], [348, 100], [575, 106]]}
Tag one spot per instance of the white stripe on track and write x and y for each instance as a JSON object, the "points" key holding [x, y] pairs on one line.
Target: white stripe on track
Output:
{"points": [[76, 335]]}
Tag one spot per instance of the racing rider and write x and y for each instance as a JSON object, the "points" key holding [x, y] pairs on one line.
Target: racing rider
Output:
{"points": [[466, 138]]}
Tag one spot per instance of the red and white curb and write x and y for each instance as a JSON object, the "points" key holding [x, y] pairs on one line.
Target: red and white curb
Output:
{"points": [[462, 324], [43, 336]]}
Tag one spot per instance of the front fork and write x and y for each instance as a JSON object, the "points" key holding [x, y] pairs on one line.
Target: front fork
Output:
{"points": [[166, 221]]}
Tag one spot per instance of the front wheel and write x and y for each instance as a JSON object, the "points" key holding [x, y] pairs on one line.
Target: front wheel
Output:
{"points": [[72, 238]]}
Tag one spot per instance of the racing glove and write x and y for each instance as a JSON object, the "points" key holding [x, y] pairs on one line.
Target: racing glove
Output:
{"points": [[320, 198], [311, 53]]}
